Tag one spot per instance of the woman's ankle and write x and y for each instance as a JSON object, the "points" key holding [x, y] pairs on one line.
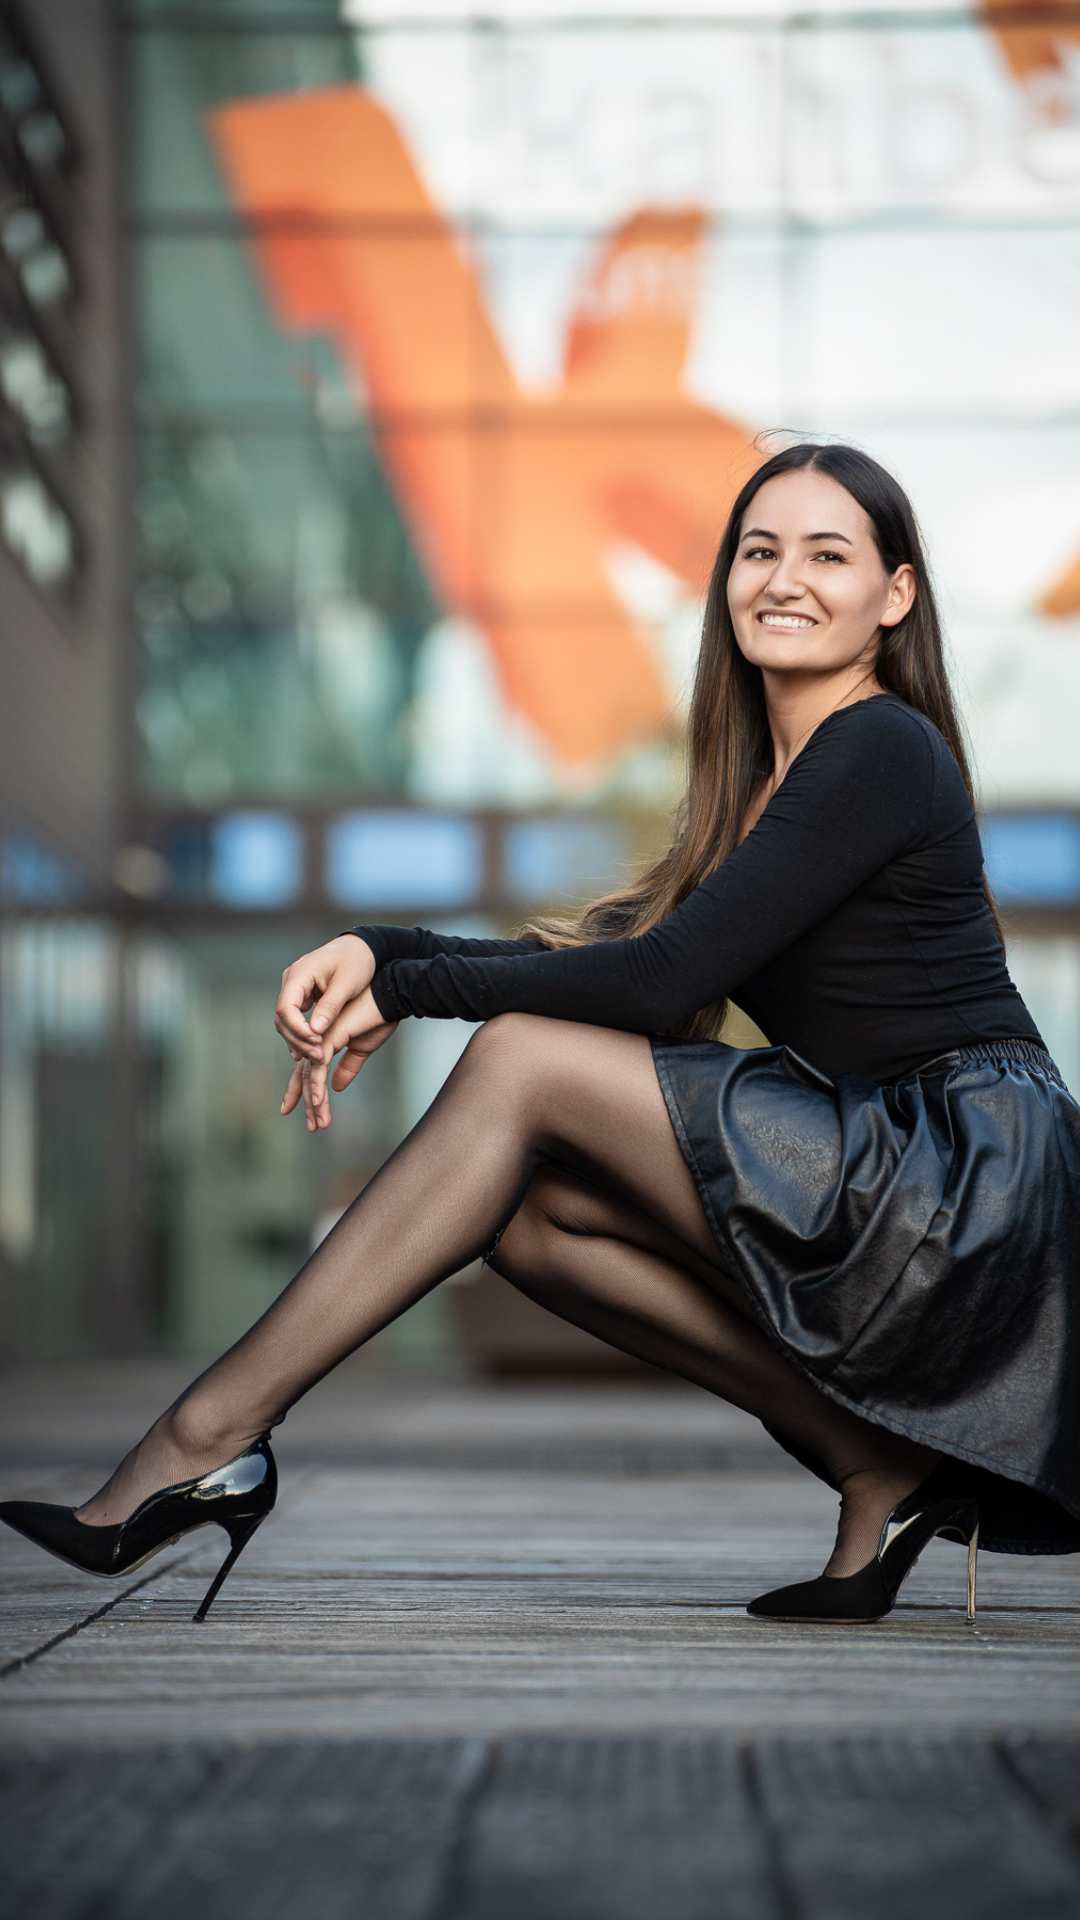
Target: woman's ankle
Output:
{"points": [[197, 1438], [892, 1457]]}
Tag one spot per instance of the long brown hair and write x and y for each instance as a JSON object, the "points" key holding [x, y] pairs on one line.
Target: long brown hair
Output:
{"points": [[728, 742]]}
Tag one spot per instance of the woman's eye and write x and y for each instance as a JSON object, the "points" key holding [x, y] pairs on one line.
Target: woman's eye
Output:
{"points": [[825, 552]]}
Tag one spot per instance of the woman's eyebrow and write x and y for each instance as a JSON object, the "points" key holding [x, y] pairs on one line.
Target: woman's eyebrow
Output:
{"points": [[829, 533]]}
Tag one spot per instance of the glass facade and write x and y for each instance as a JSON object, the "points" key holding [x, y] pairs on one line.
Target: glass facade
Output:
{"points": [[54, 1169], [453, 340], [39, 407], [454, 336]]}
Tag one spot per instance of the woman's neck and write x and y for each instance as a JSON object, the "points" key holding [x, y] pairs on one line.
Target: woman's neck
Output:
{"points": [[795, 708]]}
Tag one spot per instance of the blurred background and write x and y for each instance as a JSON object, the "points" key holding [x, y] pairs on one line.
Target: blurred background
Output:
{"points": [[374, 385]]}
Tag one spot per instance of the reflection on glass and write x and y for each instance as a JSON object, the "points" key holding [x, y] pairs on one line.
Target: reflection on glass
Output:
{"points": [[19, 86], [39, 262], [390, 857], [1046, 969], [210, 341], [30, 870], [35, 528], [42, 138], [575, 857], [31, 388], [257, 859], [56, 992], [1033, 860], [37, 127], [281, 610], [177, 78], [187, 846]]}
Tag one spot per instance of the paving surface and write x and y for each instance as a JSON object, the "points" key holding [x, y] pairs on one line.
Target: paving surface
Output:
{"points": [[490, 1656]]}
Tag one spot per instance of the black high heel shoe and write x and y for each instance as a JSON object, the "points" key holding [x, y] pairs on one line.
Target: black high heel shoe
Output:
{"points": [[942, 1503], [238, 1496]]}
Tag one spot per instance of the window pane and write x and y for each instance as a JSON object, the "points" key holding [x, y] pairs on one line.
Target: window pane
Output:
{"points": [[37, 259], [178, 78], [31, 388], [568, 860], [1033, 860], [207, 334], [35, 528], [257, 860], [284, 325], [397, 858], [33, 871]]}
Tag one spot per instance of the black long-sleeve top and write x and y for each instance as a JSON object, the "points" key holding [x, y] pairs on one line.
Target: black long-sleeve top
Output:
{"points": [[850, 924]]}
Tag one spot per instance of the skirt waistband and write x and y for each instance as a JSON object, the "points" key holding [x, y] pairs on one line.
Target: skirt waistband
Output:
{"points": [[1028, 1053]]}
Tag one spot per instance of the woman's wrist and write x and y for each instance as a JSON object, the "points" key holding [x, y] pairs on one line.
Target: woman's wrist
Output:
{"points": [[383, 995], [376, 959]]}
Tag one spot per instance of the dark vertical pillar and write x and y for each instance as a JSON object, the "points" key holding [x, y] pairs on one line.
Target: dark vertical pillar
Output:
{"points": [[122, 1310]]}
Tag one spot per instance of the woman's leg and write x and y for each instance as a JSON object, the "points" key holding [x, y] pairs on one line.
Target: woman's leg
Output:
{"points": [[526, 1091], [606, 1267]]}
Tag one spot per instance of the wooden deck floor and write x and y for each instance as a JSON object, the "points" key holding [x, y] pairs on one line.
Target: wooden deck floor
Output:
{"points": [[490, 1656]]}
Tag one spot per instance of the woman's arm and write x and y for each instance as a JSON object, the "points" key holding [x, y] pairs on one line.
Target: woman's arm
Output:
{"points": [[856, 797], [419, 943]]}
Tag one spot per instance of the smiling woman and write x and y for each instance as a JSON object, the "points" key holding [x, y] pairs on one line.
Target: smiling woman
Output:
{"points": [[864, 1232]]}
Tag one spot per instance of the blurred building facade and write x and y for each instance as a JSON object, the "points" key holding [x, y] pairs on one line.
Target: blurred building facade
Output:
{"points": [[374, 388]]}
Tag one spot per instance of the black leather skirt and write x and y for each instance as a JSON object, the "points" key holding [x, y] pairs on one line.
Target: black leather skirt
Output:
{"points": [[913, 1246]]}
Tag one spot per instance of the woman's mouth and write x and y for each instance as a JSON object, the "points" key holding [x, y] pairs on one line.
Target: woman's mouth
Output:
{"points": [[786, 622]]}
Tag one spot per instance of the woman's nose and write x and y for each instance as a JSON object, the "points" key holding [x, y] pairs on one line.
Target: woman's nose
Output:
{"points": [[787, 583]]}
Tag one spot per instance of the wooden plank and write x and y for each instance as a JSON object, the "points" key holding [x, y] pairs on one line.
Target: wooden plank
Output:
{"points": [[53, 1413], [892, 1827], [498, 1602], [682, 1825], [490, 1656], [320, 1828], [1049, 1770], [635, 1827], [70, 1826]]}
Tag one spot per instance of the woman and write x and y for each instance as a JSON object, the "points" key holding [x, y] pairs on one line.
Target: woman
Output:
{"points": [[867, 1233]]}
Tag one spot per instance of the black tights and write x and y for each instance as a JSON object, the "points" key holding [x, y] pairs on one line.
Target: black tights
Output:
{"points": [[551, 1136]]}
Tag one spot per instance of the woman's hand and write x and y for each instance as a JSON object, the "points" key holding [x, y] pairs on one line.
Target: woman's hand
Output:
{"points": [[322, 980], [359, 1027]]}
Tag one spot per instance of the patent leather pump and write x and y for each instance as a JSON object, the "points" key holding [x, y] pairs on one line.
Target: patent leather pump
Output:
{"points": [[238, 1496], [942, 1503]]}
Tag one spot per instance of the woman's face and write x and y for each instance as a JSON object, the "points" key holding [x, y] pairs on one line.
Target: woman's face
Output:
{"points": [[834, 579]]}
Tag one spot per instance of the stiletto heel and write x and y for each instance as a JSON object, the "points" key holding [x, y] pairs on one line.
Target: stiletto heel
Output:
{"points": [[239, 1532], [943, 1504], [238, 1496]]}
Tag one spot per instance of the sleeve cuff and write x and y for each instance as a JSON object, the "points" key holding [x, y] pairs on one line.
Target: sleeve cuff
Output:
{"points": [[382, 992], [375, 940]]}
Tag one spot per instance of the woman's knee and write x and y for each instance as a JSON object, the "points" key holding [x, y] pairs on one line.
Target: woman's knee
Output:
{"points": [[504, 1058], [555, 1205], [508, 1036]]}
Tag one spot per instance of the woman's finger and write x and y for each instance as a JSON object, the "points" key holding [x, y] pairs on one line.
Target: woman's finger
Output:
{"points": [[359, 1025], [291, 1016], [295, 1088], [350, 1064], [325, 980], [316, 1098], [303, 1041], [309, 1101], [299, 989], [320, 1103]]}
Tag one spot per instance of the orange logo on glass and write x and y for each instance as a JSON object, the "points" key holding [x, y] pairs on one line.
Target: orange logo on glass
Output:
{"points": [[511, 497]]}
